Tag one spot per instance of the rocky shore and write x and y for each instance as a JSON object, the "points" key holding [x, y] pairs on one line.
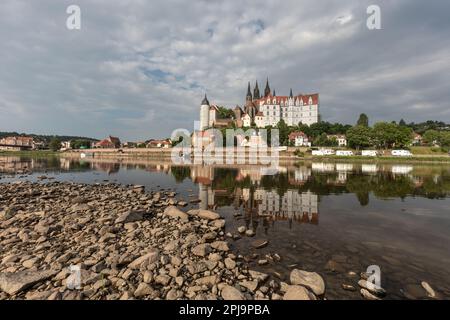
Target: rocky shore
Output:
{"points": [[109, 241]]}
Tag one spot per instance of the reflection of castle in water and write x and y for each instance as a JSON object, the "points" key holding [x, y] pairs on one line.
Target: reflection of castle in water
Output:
{"points": [[257, 202]]}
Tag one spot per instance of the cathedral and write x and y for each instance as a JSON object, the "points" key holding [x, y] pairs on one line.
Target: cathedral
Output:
{"points": [[261, 110]]}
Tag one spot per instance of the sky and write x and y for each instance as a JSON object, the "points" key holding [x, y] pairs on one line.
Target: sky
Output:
{"points": [[139, 69]]}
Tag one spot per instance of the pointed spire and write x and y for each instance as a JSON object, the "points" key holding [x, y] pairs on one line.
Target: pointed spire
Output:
{"points": [[290, 94], [256, 94], [205, 101], [249, 93], [267, 89], [274, 94]]}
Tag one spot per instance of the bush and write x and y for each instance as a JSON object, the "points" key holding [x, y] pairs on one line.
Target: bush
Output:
{"points": [[299, 153]]}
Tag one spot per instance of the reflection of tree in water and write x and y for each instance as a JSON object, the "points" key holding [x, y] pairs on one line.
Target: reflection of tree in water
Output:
{"points": [[180, 173], [384, 184]]}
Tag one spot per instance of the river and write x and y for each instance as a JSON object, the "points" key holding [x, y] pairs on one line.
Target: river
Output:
{"points": [[332, 218]]}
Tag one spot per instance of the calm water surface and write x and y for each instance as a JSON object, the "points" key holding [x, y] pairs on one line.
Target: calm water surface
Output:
{"points": [[316, 216]]}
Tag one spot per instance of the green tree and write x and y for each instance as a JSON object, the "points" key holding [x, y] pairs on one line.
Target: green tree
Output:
{"points": [[387, 135], [283, 132], [402, 123], [322, 140], [55, 144], [363, 120], [359, 136], [224, 113], [431, 136], [444, 139]]}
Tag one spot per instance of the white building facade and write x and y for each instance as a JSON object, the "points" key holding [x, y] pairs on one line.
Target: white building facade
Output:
{"points": [[292, 109]]}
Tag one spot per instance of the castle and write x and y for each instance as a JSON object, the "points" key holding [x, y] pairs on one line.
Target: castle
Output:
{"points": [[264, 110]]}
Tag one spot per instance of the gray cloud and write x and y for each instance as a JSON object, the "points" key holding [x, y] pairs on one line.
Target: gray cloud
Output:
{"points": [[139, 69]]}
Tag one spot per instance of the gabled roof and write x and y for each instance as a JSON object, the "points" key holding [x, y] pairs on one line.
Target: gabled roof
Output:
{"points": [[280, 99]]}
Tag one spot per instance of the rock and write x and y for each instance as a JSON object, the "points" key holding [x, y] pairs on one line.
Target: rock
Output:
{"points": [[260, 243], [311, 280], [428, 289], [348, 287], [220, 245], [130, 216], [146, 259], [263, 262], [250, 285], [143, 290], [147, 277], [162, 279], [242, 229], [219, 223], [230, 263], [367, 295], [231, 293], [174, 212], [208, 281], [201, 250], [334, 266], [259, 276], [13, 283], [204, 214], [214, 257], [76, 280], [174, 294], [372, 288], [296, 292], [249, 233]]}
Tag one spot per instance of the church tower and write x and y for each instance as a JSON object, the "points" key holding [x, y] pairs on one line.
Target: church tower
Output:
{"points": [[267, 89], [204, 114], [249, 93], [256, 94]]}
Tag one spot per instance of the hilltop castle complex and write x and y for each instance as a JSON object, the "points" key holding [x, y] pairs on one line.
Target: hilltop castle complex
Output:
{"points": [[264, 110]]}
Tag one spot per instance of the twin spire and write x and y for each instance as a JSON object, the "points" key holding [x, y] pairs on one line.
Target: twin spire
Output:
{"points": [[256, 95]]}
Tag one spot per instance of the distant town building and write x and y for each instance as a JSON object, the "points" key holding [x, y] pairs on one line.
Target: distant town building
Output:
{"points": [[340, 139], [167, 143], [299, 139], [108, 143], [417, 139], [65, 145], [16, 143]]}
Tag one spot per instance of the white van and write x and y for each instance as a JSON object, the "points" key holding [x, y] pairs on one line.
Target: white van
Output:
{"points": [[401, 153], [369, 153], [344, 153], [317, 153], [328, 152]]}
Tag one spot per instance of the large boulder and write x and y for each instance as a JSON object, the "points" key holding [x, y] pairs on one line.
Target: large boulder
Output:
{"points": [[174, 212], [311, 280], [147, 258], [204, 214], [297, 293], [201, 250], [130, 216], [15, 282], [231, 293]]}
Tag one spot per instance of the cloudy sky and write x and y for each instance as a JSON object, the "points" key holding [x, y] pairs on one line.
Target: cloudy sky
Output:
{"points": [[139, 69]]}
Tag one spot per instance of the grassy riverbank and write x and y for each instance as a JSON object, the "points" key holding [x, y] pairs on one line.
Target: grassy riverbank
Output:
{"points": [[32, 154], [166, 155], [413, 159]]}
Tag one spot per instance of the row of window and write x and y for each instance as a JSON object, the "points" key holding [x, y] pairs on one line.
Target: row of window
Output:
{"points": [[285, 115], [282, 109], [285, 103]]}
